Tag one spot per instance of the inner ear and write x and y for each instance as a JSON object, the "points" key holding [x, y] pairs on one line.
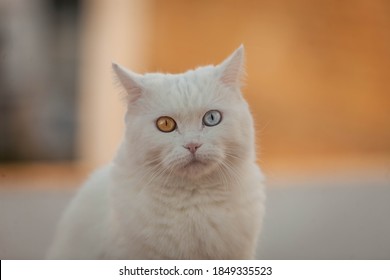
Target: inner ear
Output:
{"points": [[233, 68], [130, 81]]}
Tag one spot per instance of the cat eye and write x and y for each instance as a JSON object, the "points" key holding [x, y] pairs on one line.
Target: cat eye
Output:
{"points": [[212, 118], [166, 124]]}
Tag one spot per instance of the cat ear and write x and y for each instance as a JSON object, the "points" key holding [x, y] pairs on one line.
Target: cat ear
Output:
{"points": [[129, 80], [232, 69]]}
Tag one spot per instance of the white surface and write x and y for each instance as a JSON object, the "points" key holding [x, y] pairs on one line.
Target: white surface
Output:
{"points": [[333, 219]]}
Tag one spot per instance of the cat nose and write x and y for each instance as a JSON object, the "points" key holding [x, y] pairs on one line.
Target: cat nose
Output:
{"points": [[192, 147]]}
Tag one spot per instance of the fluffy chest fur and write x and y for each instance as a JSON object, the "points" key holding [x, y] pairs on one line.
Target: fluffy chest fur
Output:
{"points": [[187, 222]]}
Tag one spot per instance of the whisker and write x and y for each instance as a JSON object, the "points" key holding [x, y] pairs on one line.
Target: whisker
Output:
{"points": [[230, 172]]}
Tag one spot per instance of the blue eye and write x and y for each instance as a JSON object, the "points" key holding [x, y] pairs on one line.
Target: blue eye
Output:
{"points": [[212, 118]]}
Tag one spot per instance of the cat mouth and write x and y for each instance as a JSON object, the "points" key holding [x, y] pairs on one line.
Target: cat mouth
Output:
{"points": [[194, 162], [195, 166]]}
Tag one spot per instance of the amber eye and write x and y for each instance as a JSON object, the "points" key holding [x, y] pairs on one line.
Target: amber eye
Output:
{"points": [[166, 124]]}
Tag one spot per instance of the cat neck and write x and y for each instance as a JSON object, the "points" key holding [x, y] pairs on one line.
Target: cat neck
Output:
{"points": [[216, 180]]}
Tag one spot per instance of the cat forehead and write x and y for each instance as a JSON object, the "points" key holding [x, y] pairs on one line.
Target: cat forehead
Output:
{"points": [[194, 88], [198, 76]]}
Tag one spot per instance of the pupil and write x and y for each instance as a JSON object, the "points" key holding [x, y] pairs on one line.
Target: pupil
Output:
{"points": [[212, 117]]}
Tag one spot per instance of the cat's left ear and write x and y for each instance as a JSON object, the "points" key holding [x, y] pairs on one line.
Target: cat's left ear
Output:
{"points": [[130, 81], [232, 69]]}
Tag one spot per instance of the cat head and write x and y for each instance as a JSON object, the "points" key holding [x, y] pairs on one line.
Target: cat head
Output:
{"points": [[189, 125]]}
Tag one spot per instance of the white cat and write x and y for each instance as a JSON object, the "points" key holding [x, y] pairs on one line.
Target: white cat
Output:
{"points": [[184, 183]]}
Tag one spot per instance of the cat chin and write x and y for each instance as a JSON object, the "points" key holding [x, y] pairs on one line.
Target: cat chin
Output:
{"points": [[194, 171]]}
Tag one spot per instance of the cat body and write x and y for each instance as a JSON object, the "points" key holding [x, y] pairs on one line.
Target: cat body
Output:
{"points": [[184, 183]]}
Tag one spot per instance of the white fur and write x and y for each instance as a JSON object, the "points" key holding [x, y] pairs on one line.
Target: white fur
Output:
{"points": [[154, 201]]}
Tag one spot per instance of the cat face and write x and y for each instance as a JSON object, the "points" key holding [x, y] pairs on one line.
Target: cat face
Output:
{"points": [[191, 124]]}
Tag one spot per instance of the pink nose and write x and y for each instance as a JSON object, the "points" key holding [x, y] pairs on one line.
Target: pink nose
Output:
{"points": [[192, 147]]}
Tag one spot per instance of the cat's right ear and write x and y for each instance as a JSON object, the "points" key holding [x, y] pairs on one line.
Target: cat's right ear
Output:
{"points": [[130, 81]]}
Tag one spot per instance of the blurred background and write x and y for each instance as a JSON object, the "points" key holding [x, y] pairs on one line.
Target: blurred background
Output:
{"points": [[317, 84]]}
